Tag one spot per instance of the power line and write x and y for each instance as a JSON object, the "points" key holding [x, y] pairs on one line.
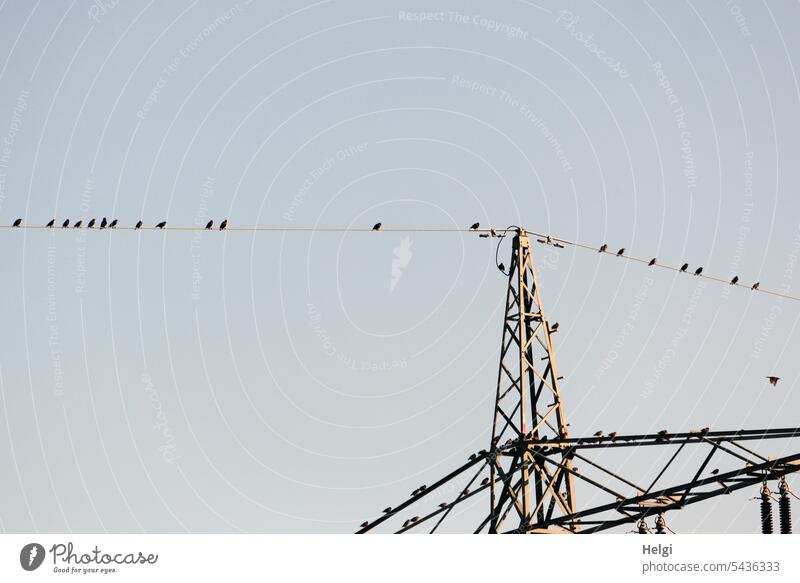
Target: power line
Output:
{"points": [[487, 232]]}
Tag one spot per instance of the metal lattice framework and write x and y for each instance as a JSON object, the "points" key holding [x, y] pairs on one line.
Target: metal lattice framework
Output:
{"points": [[528, 472]]}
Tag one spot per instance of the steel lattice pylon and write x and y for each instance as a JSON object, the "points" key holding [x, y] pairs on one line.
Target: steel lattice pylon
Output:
{"points": [[527, 472], [528, 406]]}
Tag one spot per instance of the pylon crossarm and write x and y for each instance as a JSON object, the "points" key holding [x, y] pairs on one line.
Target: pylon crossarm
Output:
{"points": [[680, 495]]}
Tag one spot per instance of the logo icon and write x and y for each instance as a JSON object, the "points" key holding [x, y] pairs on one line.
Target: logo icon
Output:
{"points": [[31, 556], [402, 257]]}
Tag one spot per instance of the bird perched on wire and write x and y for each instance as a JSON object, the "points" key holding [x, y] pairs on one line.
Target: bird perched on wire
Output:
{"points": [[613, 435], [684, 267], [161, 225], [17, 223], [603, 248], [50, 224], [113, 224], [65, 224], [652, 262], [493, 233], [138, 225], [78, 224], [223, 225], [209, 225], [91, 223], [103, 223], [475, 226], [773, 380], [755, 285], [377, 226], [698, 271], [735, 280], [621, 252]]}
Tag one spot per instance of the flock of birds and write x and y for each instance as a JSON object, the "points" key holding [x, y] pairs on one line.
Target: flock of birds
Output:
{"points": [[104, 223]]}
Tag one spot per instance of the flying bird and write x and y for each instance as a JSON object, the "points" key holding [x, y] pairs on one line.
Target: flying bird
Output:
{"points": [[376, 227], [138, 225], [755, 285], [603, 248], [209, 224], [51, 223], [78, 225], [773, 380], [652, 262], [65, 224], [698, 271], [475, 226], [735, 280], [161, 225], [684, 267], [17, 223], [223, 225], [103, 223], [113, 224], [91, 224], [621, 252]]}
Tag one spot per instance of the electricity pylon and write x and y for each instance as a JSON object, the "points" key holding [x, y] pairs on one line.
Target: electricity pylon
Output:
{"points": [[527, 379], [528, 470]]}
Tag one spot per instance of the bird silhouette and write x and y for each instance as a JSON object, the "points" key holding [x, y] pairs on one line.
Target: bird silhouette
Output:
{"points": [[554, 327], [91, 224], [103, 223], [698, 271], [113, 224], [65, 224], [443, 505], [715, 471], [755, 285], [475, 226], [663, 433], [705, 430], [376, 227], [472, 457], [652, 262], [603, 248], [502, 268], [51, 223], [138, 225], [17, 223], [387, 510], [364, 524], [209, 224], [161, 225], [613, 435], [484, 235], [484, 481], [223, 225], [598, 434], [735, 280], [493, 233], [78, 225], [621, 252], [773, 380], [684, 267]]}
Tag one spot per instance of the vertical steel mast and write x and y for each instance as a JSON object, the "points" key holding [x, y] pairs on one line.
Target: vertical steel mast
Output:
{"points": [[528, 407]]}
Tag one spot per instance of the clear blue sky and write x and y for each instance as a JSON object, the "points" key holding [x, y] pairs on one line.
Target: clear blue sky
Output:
{"points": [[179, 381]]}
